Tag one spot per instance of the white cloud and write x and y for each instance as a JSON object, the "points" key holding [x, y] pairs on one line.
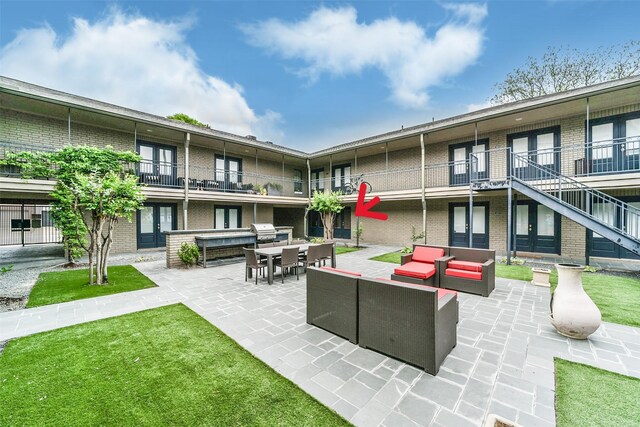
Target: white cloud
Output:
{"points": [[332, 41], [133, 61]]}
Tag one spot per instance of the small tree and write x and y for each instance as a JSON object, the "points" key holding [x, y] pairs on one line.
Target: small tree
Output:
{"points": [[95, 187], [561, 69], [181, 117], [327, 204]]}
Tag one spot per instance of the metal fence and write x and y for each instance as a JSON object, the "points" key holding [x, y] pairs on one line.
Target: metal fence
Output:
{"points": [[27, 224]]}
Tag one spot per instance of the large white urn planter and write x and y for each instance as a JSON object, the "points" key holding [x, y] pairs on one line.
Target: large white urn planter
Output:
{"points": [[573, 314]]}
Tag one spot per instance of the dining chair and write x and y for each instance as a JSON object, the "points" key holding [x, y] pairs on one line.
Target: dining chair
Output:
{"points": [[251, 262], [289, 259], [312, 257], [326, 252]]}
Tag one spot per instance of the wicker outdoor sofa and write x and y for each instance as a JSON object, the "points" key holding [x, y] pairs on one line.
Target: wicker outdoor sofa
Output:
{"points": [[412, 323]]}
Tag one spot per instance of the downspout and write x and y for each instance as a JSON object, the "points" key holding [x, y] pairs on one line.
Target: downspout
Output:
{"points": [[424, 200], [588, 201], [306, 209], [185, 204]]}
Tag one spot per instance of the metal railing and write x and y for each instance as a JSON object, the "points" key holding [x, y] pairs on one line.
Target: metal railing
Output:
{"points": [[211, 179], [594, 204]]}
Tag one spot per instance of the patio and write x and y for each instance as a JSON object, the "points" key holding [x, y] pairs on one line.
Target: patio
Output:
{"points": [[503, 362]]}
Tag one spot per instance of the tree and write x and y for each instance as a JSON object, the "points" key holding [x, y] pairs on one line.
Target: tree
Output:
{"points": [[181, 117], [95, 187], [562, 68], [327, 204]]}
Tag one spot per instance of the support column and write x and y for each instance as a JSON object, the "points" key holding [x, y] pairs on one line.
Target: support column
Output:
{"points": [[306, 209], [509, 222], [185, 203], [330, 173], [470, 225], [282, 175], [424, 200], [255, 212], [587, 197], [386, 156], [69, 126]]}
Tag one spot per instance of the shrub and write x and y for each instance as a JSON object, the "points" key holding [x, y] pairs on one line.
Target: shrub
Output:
{"points": [[6, 269], [317, 240], [189, 253]]}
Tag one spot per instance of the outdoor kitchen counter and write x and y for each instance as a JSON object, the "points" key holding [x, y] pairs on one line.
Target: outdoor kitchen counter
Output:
{"points": [[211, 237]]}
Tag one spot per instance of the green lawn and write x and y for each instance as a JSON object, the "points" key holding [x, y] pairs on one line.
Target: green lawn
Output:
{"points": [[345, 249], [617, 297], [166, 366], [70, 285], [588, 396]]}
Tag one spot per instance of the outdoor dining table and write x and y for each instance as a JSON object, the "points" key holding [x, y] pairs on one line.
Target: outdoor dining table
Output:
{"points": [[272, 252]]}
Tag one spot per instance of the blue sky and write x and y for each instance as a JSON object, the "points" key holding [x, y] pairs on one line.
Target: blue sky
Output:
{"points": [[299, 73]]}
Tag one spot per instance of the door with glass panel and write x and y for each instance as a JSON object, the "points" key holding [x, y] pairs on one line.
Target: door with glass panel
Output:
{"points": [[535, 148], [459, 155], [341, 177], [537, 228], [153, 220], [459, 225], [227, 217], [228, 173], [157, 164], [615, 144], [612, 215]]}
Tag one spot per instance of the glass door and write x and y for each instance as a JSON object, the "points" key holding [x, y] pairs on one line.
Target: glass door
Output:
{"points": [[531, 148], [341, 177], [631, 146], [227, 217], [157, 164], [153, 220], [228, 173], [459, 155], [520, 150], [601, 153], [537, 228], [459, 225]]}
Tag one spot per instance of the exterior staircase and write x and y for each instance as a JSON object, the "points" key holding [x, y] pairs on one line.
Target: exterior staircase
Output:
{"points": [[576, 201]]}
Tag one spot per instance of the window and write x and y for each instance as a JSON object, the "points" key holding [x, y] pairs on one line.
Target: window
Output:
{"points": [[297, 181], [341, 176], [317, 179]]}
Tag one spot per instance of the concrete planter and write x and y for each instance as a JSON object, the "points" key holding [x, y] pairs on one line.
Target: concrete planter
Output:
{"points": [[494, 420], [573, 313], [541, 277]]}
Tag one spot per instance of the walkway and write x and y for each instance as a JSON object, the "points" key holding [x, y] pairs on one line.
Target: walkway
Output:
{"points": [[503, 362]]}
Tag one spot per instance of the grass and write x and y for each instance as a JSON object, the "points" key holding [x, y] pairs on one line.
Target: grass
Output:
{"points": [[588, 396], [166, 366], [616, 297], [345, 249], [391, 257], [63, 286]]}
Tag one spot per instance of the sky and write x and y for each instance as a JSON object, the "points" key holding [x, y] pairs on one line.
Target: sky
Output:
{"points": [[303, 74]]}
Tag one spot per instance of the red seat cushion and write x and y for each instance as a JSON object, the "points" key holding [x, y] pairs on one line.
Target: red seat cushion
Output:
{"points": [[441, 292], [426, 254], [337, 270], [465, 265], [419, 270], [453, 272]]}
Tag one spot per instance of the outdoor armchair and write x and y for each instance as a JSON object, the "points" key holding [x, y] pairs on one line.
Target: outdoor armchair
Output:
{"points": [[468, 270], [409, 322], [420, 266]]}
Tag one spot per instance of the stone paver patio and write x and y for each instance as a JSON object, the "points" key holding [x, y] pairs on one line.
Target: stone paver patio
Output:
{"points": [[503, 362]]}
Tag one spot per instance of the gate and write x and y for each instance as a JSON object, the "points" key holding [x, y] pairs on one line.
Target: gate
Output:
{"points": [[27, 224]]}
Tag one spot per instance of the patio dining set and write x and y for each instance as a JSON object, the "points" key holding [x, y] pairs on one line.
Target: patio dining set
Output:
{"points": [[287, 257]]}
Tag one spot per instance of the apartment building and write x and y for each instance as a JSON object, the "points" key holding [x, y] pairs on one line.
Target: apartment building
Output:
{"points": [[558, 174]]}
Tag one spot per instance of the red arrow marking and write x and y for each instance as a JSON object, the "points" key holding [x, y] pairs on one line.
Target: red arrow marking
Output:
{"points": [[364, 209]]}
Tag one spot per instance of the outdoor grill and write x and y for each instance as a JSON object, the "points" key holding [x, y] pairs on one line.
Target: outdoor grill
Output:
{"points": [[264, 232]]}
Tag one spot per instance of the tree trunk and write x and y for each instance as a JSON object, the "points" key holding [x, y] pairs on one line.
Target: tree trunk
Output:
{"points": [[106, 249], [98, 237]]}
